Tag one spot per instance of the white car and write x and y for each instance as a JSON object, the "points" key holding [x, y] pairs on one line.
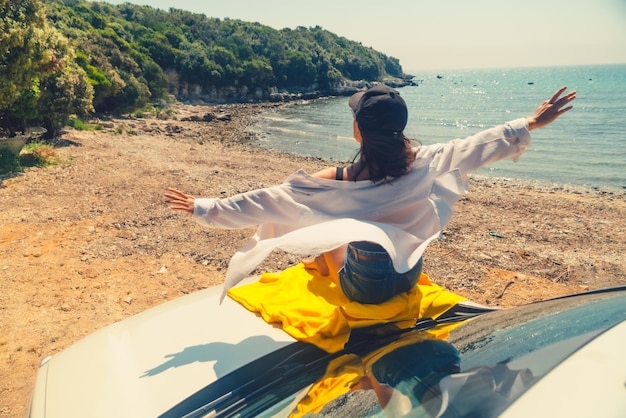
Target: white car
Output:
{"points": [[193, 357]]}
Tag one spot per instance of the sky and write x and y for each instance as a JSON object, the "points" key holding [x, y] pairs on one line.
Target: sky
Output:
{"points": [[447, 34]]}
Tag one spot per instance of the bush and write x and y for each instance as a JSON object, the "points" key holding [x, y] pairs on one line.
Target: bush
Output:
{"points": [[9, 162], [39, 154], [80, 125], [34, 154]]}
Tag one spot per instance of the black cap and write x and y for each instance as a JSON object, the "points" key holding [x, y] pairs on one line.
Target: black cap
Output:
{"points": [[379, 109]]}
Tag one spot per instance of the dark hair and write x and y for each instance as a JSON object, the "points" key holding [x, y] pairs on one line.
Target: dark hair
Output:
{"points": [[384, 155], [417, 368]]}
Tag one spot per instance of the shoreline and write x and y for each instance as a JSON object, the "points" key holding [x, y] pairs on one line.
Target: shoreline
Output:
{"points": [[546, 186], [89, 241]]}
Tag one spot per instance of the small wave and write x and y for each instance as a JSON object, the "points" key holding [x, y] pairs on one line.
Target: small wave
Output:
{"points": [[291, 131]]}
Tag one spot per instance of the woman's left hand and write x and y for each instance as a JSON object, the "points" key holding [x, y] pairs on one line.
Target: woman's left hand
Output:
{"points": [[180, 201], [550, 110]]}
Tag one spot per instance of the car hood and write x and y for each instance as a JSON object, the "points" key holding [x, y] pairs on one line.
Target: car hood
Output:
{"points": [[127, 369], [193, 357]]}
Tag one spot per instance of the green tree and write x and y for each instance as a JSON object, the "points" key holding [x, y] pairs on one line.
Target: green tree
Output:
{"points": [[257, 73], [25, 57], [299, 69], [40, 81], [64, 93]]}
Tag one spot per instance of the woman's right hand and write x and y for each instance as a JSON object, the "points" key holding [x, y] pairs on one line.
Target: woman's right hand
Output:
{"points": [[180, 201], [551, 109]]}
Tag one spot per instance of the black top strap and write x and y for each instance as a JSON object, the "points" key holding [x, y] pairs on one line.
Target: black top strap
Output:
{"points": [[339, 175]]}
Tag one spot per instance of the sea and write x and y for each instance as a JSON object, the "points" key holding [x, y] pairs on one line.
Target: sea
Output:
{"points": [[583, 149]]}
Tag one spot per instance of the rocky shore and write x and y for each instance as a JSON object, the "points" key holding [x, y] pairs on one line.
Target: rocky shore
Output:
{"points": [[89, 241], [245, 94]]}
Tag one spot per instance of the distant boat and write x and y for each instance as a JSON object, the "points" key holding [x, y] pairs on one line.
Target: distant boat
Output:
{"points": [[439, 76]]}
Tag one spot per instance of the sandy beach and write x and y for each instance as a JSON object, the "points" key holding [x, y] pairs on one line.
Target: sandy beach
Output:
{"points": [[89, 241]]}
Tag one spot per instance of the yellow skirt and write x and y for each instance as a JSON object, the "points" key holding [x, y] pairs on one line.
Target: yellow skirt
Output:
{"points": [[312, 308]]}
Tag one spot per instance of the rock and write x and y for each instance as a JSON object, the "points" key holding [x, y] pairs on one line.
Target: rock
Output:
{"points": [[224, 117], [192, 118]]}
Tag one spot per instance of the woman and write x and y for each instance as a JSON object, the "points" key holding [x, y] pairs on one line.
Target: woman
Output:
{"points": [[370, 221]]}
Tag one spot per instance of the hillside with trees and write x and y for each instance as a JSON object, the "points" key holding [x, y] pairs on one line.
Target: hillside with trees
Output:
{"points": [[73, 57]]}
